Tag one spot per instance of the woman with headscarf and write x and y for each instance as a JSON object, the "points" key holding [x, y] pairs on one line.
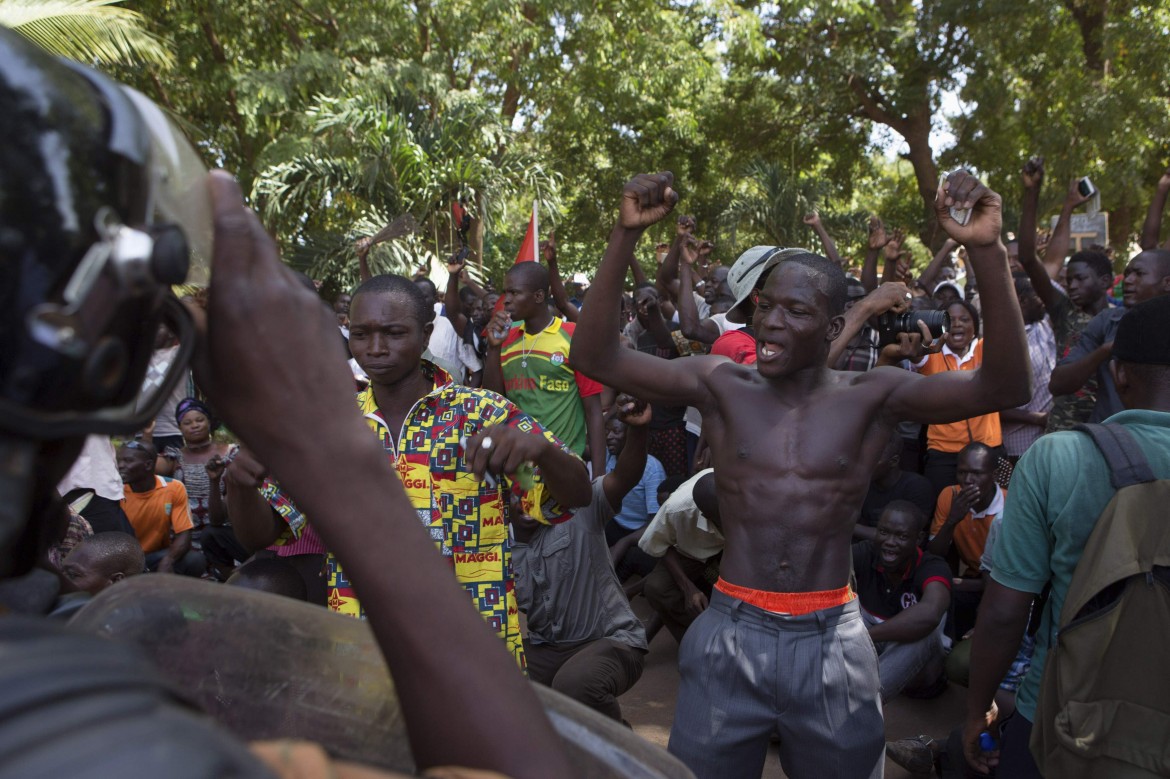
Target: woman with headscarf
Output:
{"points": [[200, 465]]}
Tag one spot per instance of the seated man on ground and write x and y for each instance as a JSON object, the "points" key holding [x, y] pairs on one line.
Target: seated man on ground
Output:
{"points": [[685, 535], [583, 638], [101, 560], [904, 594], [891, 483], [259, 508], [637, 507], [157, 508], [962, 522], [270, 574], [964, 512]]}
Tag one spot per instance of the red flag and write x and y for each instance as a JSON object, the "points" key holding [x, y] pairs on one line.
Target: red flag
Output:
{"points": [[529, 250]]}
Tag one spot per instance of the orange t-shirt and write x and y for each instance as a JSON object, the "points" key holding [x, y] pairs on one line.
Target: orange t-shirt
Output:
{"points": [[157, 513], [970, 534], [953, 436]]}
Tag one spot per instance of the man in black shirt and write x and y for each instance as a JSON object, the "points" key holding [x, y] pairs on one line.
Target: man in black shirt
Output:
{"points": [[890, 483], [904, 594]]}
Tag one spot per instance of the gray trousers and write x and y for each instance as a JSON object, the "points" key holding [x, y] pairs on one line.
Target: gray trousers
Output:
{"points": [[901, 664], [747, 674]]}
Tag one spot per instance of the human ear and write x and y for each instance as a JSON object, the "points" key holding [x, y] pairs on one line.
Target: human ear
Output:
{"points": [[1120, 377], [836, 325]]}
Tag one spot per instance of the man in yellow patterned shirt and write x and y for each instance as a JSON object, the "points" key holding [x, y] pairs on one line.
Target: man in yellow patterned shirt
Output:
{"points": [[461, 453]]}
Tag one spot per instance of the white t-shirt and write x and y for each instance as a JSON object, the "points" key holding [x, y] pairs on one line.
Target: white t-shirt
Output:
{"points": [[724, 326], [694, 418], [446, 345], [95, 469]]}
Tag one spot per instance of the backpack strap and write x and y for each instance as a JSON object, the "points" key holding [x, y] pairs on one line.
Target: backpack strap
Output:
{"points": [[1127, 462]]}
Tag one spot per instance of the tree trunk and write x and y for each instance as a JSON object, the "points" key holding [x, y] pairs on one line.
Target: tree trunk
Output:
{"points": [[921, 157], [914, 127], [511, 102], [1122, 230], [1090, 18], [476, 236]]}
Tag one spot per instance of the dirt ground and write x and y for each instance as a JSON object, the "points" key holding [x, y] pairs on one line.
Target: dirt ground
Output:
{"points": [[649, 705]]}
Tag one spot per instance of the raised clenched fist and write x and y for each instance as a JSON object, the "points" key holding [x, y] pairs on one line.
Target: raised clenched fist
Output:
{"points": [[647, 199], [548, 249], [1033, 172], [632, 411], [961, 190]]}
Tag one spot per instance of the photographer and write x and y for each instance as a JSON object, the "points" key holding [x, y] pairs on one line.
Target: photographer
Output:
{"points": [[857, 348]]}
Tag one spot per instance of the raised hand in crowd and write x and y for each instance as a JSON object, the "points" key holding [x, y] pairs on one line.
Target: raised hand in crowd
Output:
{"points": [[897, 266], [452, 300], [962, 190], [455, 265], [548, 250], [1074, 197], [666, 279], [874, 245], [813, 220], [1040, 272], [942, 258], [1152, 228], [646, 199], [1002, 320], [704, 255], [877, 233], [694, 255], [362, 247], [1033, 173], [893, 245], [1061, 238]]}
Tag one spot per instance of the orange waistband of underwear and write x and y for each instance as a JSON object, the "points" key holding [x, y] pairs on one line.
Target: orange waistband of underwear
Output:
{"points": [[791, 603]]}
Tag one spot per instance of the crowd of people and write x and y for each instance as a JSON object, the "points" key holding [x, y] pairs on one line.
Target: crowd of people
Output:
{"points": [[833, 483]]}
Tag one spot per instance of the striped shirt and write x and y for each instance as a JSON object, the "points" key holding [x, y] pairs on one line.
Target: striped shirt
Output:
{"points": [[1018, 437]]}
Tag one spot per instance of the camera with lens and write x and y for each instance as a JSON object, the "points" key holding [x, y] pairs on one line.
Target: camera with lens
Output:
{"points": [[890, 324]]}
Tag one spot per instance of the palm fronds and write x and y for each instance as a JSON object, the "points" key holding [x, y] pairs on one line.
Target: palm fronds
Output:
{"points": [[90, 31]]}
